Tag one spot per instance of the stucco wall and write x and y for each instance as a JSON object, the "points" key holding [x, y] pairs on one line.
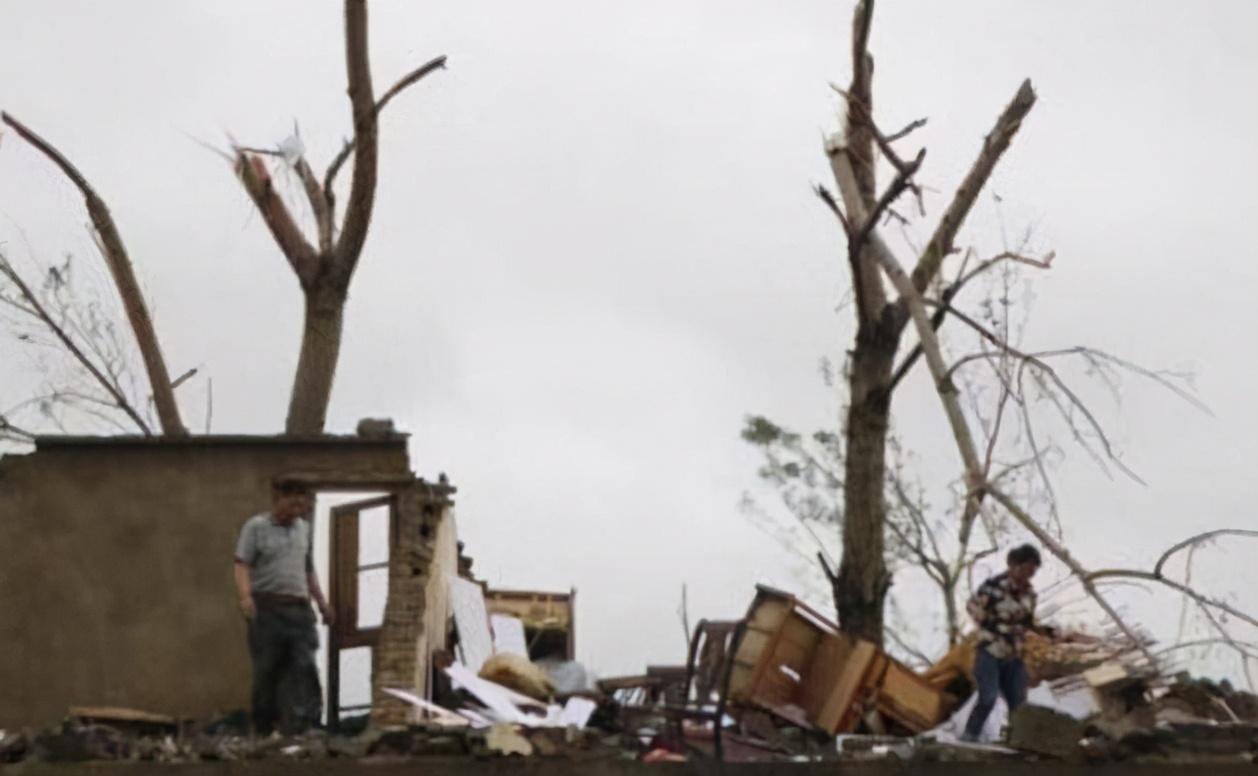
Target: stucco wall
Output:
{"points": [[115, 567]]}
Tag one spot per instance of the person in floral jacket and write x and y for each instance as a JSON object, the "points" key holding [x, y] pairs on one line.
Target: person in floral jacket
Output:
{"points": [[1004, 609]]}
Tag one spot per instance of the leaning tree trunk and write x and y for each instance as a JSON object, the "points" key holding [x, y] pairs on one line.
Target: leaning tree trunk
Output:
{"points": [[316, 366], [109, 240], [860, 588]]}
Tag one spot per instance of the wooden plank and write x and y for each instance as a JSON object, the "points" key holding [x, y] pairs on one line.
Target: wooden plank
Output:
{"points": [[837, 682], [343, 570], [118, 714], [766, 612], [751, 650], [909, 699]]}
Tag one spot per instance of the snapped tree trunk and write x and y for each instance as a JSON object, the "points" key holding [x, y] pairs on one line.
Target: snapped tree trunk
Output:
{"points": [[316, 366], [860, 587], [325, 271]]}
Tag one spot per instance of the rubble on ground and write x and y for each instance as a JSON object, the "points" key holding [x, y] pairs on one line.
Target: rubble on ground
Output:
{"points": [[782, 685]]}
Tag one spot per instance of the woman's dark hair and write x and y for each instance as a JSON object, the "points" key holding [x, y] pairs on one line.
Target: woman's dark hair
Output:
{"points": [[1023, 554]]}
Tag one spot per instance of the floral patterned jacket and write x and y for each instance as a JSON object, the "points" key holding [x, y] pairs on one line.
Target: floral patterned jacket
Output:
{"points": [[1004, 616]]}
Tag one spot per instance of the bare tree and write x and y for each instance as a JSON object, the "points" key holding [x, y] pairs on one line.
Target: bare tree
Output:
{"points": [[860, 223], [862, 582], [109, 241], [86, 364], [808, 471], [324, 272]]}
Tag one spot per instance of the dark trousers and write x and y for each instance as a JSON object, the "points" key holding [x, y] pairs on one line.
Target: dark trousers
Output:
{"points": [[993, 675], [282, 645]]}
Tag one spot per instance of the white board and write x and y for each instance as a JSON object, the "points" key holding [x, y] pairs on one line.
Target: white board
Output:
{"points": [[476, 643], [509, 635]]}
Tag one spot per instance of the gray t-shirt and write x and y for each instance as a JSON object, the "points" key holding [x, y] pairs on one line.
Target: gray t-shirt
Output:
{"points": [[277, 556]]}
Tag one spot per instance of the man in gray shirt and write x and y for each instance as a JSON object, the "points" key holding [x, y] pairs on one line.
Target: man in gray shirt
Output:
{"points": [[275, 583]]}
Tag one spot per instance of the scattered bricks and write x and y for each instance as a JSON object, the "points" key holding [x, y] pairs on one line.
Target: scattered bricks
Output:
{"points": [[1044, 731]]}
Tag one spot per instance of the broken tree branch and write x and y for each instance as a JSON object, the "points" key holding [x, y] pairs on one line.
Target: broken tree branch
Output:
{"points": [[319, 203], [994, 145], [859, 129], [976, 485], [912, 126], [120, 268], [293, 244], [871, 296]]}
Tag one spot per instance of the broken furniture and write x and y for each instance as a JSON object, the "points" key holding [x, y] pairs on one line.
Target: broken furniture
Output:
{"points": [[793, 662]]}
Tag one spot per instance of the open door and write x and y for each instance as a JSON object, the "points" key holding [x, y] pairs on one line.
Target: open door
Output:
{"points": [[362, 537]]}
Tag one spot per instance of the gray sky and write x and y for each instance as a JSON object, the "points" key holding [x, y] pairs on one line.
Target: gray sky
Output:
{"points": [[595, 249]]}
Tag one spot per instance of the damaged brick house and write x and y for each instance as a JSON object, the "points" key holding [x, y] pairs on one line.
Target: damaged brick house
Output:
{"points": [[115, 587]]}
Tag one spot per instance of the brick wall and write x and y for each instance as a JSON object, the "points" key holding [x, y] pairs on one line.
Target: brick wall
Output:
{"points": [[417, 567]]}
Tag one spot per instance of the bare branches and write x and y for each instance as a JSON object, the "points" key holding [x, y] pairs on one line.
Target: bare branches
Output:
{"points": [[115, 254], [1201, 538], [1044, 263], [902, 181], [994, 145], [912, 126], [39, 311], [12, 433], [437, 63], [1209, 606], [974, 474]]}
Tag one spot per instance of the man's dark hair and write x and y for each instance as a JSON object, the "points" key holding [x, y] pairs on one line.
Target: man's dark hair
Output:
{"points": [[290, 488], [1025, 553]]}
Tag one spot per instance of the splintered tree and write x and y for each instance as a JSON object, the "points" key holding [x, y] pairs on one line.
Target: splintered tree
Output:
{"points": [[862, 582], [324, 265], [324, 272], [923, 301]]}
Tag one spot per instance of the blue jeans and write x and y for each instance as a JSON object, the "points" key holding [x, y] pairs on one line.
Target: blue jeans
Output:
{"points": [[1006, 676]]}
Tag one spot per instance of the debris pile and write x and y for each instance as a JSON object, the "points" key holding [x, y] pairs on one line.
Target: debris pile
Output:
{"points": [[782, 684]]}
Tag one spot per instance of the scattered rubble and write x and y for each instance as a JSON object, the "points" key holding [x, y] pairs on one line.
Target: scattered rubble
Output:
{"points": [[780, 685]]}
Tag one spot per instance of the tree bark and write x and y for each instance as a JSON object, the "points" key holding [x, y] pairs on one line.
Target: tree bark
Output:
{"points": [[316, 366], [109, 240], [949, 590], [860, 588]]}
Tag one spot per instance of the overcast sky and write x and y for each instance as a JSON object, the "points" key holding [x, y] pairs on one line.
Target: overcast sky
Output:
{"points": [[595, 249]]}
